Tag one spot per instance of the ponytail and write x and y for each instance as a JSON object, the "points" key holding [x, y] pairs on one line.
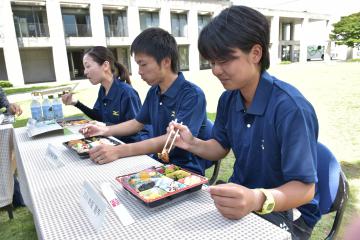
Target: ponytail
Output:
{"points": [[122, 72]]}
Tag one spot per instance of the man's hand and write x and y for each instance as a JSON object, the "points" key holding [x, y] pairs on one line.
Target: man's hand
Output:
{"points": [[15, 109], [235, 201], [103, 154], [91, 130]]}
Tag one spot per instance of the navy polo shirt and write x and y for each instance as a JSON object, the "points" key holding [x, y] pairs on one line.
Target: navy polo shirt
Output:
{"points": [[185, 102], [121, 104], [274, 141]]}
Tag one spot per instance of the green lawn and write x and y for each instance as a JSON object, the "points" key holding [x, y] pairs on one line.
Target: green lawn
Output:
{"points": [[10, 91], [333, 89]]}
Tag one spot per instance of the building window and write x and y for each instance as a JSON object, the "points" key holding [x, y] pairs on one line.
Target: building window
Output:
{"points": [[115, 23], [183, 57], [75, 62], [203, 20], [204, 64], [148, 19], [122, 55], [179, 24], [30, 21], [76, 22]]}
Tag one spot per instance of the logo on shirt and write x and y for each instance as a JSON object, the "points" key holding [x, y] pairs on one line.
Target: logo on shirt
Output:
{"points": [[115, 113]]}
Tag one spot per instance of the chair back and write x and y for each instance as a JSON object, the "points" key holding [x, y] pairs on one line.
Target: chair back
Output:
{"points": [[332, 187], [205, 134], [328, 171]]}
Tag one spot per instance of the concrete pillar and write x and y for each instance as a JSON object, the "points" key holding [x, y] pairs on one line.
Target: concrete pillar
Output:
{"points": [[304, 39], [134, 30], [11, 48], [97, 23], [165, 18], [274, 39], [57, 40], [327, 52], [193, 34]]}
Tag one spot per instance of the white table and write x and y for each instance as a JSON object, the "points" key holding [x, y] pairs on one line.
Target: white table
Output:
{"points": [[53, 196], [6, 166]]}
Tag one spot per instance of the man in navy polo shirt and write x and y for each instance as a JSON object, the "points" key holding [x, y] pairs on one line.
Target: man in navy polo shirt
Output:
{"points": [[271, 128], [170, 97]]}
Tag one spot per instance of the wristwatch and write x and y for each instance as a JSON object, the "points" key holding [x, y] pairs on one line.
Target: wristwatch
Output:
{"points": [[269, 203]]}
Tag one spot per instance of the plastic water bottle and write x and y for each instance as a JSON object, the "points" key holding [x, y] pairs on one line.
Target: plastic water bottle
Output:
{"points": [[47, 109], [35, 107], [57, 108]]}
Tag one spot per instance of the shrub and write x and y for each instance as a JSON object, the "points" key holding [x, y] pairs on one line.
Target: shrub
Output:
{"points": [[5, 84], [285, 62]]}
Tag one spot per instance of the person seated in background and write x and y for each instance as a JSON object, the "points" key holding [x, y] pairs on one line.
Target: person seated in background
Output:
{"points": [[117, 101], [10, 108], [170, 97], [269, 125], [14, 109]]}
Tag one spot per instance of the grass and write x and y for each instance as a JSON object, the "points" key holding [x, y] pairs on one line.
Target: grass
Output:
{"points": [[21, 227], [332, 88], [354, 60], [10, 91]]}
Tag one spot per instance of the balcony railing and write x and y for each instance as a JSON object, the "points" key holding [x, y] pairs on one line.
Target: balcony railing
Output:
{"points": [[31, 30], [115, 31], [77, 30]]}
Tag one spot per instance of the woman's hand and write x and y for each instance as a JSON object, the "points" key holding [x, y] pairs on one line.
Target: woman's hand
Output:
{"points": [[68, 99], [91, 130]]}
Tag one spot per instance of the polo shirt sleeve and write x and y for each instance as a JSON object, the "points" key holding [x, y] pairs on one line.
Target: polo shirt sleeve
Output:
{"points": [[192, 110], [130, 105], [297, 133], [219, 129], [144, 115], [3, 100]]}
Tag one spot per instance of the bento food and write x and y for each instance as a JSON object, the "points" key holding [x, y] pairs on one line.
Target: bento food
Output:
{"points": [[82, 146], [154, 186], [74, 122], [164, 156]]}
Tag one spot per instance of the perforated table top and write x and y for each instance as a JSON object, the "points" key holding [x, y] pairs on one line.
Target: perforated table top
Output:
{"points": [[54, 193]]}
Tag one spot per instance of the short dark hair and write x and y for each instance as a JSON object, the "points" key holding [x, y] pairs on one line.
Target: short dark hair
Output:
{"points": [[101, 54], [159, 44], [235, 27]]}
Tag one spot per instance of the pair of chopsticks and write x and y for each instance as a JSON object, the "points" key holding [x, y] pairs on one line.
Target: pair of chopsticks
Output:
{"points": [[172, 135]]}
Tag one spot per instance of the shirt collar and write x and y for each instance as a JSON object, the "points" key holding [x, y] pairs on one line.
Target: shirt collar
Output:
{"points": [[262, 95], [113, 89], [175, 87]]}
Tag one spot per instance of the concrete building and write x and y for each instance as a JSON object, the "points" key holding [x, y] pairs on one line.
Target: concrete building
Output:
{"points": [[43, 40]]}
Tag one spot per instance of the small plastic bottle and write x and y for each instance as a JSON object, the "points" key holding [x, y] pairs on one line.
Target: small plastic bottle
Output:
{"points": [[35, 106], [47, 108], [57, 108]]}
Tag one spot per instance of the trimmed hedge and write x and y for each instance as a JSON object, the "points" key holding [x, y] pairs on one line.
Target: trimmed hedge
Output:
{"points": [[5, 84]]}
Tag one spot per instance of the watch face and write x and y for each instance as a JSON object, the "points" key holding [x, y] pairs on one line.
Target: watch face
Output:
{"points": [[270, 207]]}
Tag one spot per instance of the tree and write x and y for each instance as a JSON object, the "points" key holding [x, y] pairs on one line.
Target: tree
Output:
{"points": [[347, 31]]}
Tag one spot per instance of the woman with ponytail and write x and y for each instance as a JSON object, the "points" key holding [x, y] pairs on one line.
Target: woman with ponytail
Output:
{"points": [[117, 101]]}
